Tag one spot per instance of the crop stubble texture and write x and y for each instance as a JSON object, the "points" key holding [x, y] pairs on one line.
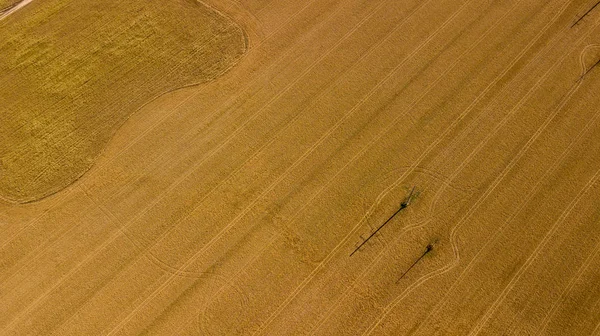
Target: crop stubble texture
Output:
{"points": [[233, 208]]}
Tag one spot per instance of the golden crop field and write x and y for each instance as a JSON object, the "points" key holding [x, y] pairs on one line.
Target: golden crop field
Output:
{"points": [[315, 167]]}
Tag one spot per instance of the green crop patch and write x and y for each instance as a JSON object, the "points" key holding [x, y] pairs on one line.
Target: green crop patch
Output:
{"points": [[71, 72]]}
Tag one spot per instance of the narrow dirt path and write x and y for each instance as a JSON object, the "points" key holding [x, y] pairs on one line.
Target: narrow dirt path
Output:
{"points": [[6, 13]]}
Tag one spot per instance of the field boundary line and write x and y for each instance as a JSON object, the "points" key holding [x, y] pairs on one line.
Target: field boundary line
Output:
{"points": [[172, 111], [58, 201], [68, 190]]}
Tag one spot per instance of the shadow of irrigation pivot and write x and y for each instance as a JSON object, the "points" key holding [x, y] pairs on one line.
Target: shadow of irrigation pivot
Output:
{"points": [[405, 203]]}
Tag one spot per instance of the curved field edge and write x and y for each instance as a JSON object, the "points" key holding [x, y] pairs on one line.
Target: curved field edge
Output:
{"points": [[74, 72]]}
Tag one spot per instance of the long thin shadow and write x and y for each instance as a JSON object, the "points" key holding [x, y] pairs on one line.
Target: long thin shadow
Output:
{"points": [[590, 69], [585, 14], [428, 249], [403, 206]]}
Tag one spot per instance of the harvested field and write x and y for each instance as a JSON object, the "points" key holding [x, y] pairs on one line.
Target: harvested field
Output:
{"points": [[459, 138]]}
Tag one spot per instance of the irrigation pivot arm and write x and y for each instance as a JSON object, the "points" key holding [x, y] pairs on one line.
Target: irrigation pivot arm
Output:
{"points": [[428, 249], [403, 205], [406, 202]]}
